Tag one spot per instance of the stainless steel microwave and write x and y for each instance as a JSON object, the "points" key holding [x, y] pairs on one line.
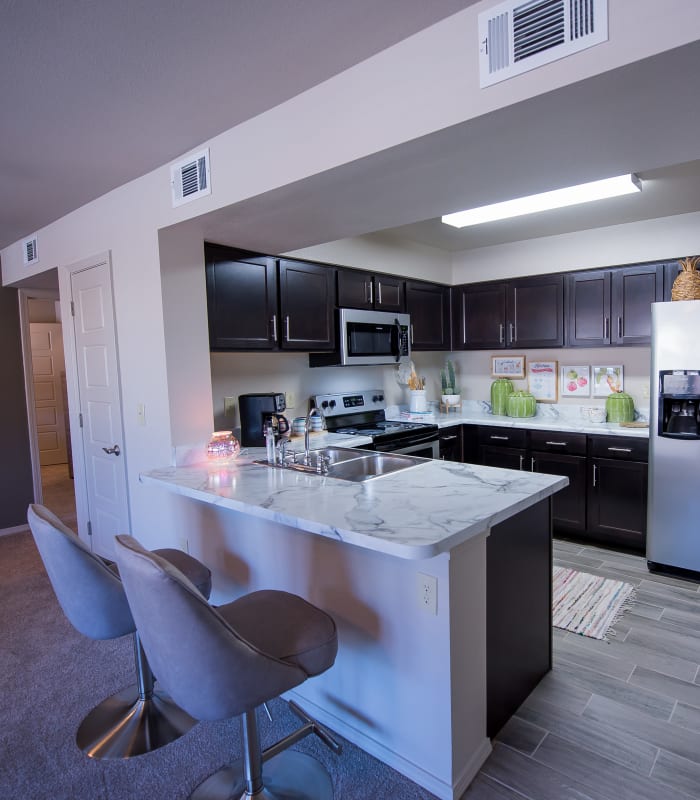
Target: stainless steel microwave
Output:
{"points": [[368, 337]]}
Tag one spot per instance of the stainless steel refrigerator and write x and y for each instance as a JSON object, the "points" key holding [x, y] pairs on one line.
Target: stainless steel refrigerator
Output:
{"points": [[673, 521]]}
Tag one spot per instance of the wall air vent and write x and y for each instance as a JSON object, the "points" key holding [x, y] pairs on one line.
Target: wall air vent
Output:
{"points": [[30, 250], [190, 178], [518, 36]]}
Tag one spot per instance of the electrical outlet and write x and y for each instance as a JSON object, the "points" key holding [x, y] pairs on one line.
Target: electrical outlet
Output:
{"points": [[290, 399], [427, 592], [645, 391], [229, 406]]}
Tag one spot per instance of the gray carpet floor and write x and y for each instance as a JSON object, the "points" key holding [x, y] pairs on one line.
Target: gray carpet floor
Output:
{"points": [[50, 678]]}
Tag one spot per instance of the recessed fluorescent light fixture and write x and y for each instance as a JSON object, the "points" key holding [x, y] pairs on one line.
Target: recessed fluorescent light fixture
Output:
{"points": [[559, 198]]}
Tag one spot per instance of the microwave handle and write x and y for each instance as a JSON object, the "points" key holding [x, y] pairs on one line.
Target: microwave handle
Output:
{"points": [[396, 341]]}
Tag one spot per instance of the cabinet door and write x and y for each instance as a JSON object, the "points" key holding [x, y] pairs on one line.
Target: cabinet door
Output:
{"points": [[429, 307], [569, 504], [307, 306], [355, 289], [450, 443], [633, 290], [507, 457], [241, 300], [617, 502], [588, 309], [535, 312], [388, 293], [479, 314]]}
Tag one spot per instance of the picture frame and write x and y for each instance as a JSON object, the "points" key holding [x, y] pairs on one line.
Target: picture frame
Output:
{"points": [[542, 380], [608, 380], [575, 380], [509, 366]]}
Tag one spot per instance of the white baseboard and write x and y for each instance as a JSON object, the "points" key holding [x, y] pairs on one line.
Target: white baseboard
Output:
{"points": [[16, 529]]}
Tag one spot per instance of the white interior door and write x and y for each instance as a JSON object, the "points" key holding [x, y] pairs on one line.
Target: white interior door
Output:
{"points": [[100, 406], [49, 407]]}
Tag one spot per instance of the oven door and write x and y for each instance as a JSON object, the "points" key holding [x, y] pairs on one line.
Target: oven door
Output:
{"points": [[426, 448]]}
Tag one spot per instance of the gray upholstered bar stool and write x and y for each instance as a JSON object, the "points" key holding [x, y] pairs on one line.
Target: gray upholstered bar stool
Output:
{"points": [[137, 719], [224, 662]]}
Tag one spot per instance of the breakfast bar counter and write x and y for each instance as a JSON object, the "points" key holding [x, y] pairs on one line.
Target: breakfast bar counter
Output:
{"points": [[438, 577]]}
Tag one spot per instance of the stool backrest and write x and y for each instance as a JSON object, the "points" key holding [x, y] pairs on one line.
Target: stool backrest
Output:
{"points": [[205, 665], [89, 592]]}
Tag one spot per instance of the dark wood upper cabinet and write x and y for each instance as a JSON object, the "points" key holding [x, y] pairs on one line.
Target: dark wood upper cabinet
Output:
{"points": [[528, 312], [612, 307], [429, 307], [357, 289], [535, 312], [479, 316], [241, 300], [307, 306]]}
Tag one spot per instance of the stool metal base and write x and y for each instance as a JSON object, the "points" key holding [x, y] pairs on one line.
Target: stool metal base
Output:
{"points": [[129, 724], [288, 776]]}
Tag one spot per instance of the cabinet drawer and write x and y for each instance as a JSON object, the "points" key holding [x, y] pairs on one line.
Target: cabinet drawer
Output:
{"points": [[558, 442], [503, 437], [625, 447]]}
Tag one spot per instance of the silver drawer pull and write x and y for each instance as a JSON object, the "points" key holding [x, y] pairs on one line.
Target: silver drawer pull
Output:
{"points": [[502, 438], [557, 444], [620, 449], [447, 438]]}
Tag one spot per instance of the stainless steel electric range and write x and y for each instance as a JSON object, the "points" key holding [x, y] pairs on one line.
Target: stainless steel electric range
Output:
{"points": [[363, 414]]}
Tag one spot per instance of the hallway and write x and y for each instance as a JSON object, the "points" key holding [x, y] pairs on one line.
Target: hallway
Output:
{"points": [[59, 493]]}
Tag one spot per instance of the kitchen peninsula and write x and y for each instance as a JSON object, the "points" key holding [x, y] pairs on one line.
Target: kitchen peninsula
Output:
{"points": [[438, 576]]}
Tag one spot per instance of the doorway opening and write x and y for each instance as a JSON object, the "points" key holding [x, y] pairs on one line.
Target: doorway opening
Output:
{"points": [[47, 401]]}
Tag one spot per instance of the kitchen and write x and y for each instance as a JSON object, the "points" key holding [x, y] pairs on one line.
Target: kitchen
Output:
{"points": [[176, 385]]}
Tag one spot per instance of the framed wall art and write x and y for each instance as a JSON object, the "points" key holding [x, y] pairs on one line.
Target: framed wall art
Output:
{"points": [[508, 366], [607, 380], [542, 380], [575, 381]]}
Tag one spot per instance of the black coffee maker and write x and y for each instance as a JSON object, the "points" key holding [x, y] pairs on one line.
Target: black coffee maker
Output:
{"points": [[256, 410]]}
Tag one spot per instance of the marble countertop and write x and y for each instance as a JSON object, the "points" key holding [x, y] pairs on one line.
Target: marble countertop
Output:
{"points": [[549, 417], [418, 512]]}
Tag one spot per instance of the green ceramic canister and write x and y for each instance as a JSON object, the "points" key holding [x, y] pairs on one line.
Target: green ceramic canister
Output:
{"points": [[501, 388], [619, 407], [522, 404]]}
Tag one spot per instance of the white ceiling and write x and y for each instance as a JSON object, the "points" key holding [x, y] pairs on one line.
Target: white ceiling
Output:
{"points": [[96, 94]]}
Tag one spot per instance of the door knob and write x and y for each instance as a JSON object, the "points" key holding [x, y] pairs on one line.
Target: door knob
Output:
{"points": [[112, 451]]}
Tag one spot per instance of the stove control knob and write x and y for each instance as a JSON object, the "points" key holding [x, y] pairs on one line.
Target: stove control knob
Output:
{"points": [[324, 404], [332, 404], [377, 398]]}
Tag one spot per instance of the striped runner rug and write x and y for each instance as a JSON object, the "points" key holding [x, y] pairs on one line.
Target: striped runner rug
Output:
{"points": [[588, 604]]}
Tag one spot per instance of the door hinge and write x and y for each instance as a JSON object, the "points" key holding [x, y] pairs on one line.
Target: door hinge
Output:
{"points": [[72, 308], [80, 419], [89, 526]]}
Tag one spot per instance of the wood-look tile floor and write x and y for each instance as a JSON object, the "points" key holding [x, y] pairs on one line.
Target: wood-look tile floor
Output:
{"points": [[58, 492], [617, 720]]}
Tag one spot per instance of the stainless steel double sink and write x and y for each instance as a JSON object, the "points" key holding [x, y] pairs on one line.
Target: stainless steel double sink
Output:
{"points": [[350, 464]]}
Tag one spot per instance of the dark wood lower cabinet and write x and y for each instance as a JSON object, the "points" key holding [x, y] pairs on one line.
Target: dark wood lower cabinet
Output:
{"points": [[506, 457], [617, 502], [569, 504], [518, 611]]}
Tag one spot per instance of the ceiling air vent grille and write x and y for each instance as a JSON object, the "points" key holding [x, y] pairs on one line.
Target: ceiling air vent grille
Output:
{"points": [[30, 250], [515, 37], [190, 178]]}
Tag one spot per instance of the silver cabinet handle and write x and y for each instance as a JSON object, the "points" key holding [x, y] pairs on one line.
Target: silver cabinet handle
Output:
{"points": [[606, 328], [522, 458], [447, 438], [368, 292], [511, 328], [619, 327], [500, 333], [379, 292], [595, 474], [286, 328], [620, 449], [557, 444], [371, 291], [112, 451], [501, 438], [274, 326], [411, 333], [532, 464]]}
